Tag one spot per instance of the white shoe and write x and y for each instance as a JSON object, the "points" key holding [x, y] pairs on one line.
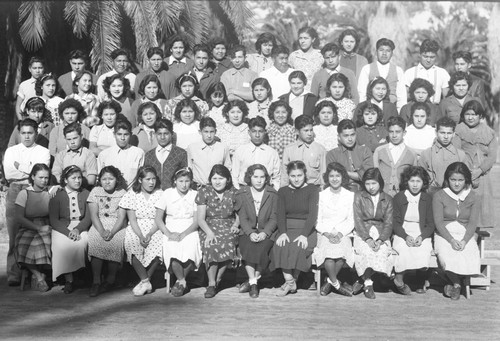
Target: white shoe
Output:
{"points": [[142, 288]]}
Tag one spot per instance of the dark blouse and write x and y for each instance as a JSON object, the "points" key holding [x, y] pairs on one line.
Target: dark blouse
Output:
{"points": [[301, 203]]}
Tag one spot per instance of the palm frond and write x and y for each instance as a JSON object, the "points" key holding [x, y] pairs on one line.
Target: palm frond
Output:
{"points": [[76, 14], [239, 15], [33, 17], [145, 25], [195, 21], [104, 33], [168, 16]]}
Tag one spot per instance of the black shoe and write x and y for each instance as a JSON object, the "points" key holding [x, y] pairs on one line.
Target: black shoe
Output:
{"points": [[178, 290], [244, 287], [403, 289], [105, 286], [344, 290], [68, 288], [447, 290], [369, 293], [325, 289], [357, 287], [254, 291], [13, 283], [211, 292], [95, 290]]}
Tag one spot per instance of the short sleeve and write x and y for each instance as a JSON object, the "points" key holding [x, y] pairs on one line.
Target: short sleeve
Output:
{"points": [[94, 134], [22, 197], [202, 197], [162, 201], [91, 164], [93, 195], [128, 201]]}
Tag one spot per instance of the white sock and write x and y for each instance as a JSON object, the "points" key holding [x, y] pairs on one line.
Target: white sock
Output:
{"points": [[182, 282], [252, 281], [368, 282]]}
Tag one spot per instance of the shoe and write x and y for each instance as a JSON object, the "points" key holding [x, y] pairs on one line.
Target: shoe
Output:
{"points": [[369, 293], [447, 290], [421, 291], [13, 283], [325, 289], [42, 286], [344, 290], [312, 287], [403, 289], [95, 290], [244, 287], [287, 288], [211, 291], [254, 291], [178, 290], [68, 288], [455, 293], [357, 287], [142, 288]]}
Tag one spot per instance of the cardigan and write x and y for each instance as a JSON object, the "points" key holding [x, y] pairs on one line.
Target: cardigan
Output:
{"points": [[309, 103], [365, 216], [177, 158], [298, 203], [59, 213], [267, 221], [426, 220]]}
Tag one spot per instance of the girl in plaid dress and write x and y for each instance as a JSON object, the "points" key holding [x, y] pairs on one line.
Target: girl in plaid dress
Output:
{"points": [[281, 132]]}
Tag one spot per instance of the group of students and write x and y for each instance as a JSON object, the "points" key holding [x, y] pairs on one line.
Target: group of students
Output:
{"points": [[190, 161]]}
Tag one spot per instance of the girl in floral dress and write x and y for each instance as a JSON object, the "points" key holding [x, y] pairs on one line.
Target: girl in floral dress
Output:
{"points": [[338, 91], [83, 92], [188, 85], [307, 58]]}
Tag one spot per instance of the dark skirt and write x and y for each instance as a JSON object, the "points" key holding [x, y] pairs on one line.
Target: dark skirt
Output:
{"points": [[223, 250], [255, 253], [291, 256]]}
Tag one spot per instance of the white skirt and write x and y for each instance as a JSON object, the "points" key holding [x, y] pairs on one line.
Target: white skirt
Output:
{"points": [[68, 255], [325, 249], [364, 257], [410, 258], [188, 249], [465, 262]]}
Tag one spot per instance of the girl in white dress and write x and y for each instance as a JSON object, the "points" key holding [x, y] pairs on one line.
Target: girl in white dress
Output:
{"points": [[143, 239], [413, 226], [176, 218], [326, 121], [335, 224]]}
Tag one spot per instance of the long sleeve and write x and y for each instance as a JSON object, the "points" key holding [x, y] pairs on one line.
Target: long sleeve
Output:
{"points": [[346, 226], [490, 160], [400, 89], [53, 140], [359, 224], [272, 222], [363, 80], [470, 229], [235, 168], [387, 220], [54, 215], [281, 211], [367, 161], [376, 158], [241, 207], [26, 157], [312, 217], [438, 213], [315, 83], [428, 225], [276, 171], [86, 221], [399, 211], [286, 160], [321, 224]]}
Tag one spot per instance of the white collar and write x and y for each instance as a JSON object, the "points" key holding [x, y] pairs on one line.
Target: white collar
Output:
{"points": [[460, 197], [412, 199]]}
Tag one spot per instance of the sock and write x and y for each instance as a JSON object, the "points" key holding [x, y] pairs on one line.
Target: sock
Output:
{"points": [[368, 282], [335, 284], [145, 280], [182, 282], [252, 281]]}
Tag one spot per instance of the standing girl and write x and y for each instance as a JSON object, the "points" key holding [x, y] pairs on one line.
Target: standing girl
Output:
{"points": [[70, 220], [452, 105], [307, 58], [186, 123], [297, 215], [373, 226], [257, 205], [419, 134], [301, 100], [349, 42], [281, 131], [217, 99], [262, 95], [378, 93], [325, 128], [143, 244], [338, 91], [421, 90], [32, 213], [117, 89], [150, 91], [176, 217], [102, 136], [234, 132], [370, 132], [413, 226], [456, 211], [83, 92], [335, 224], [46, 88], [261, 61], [218, 223], [106, 235], [479, 143], [188, 86], [143, 136]]}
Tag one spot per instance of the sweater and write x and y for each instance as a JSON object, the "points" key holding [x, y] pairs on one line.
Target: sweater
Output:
{"points": [[59, 212], [298, 203], [426, 222]]}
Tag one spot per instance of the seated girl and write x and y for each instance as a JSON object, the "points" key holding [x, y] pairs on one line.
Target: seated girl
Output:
{"points": [[371, 132], [117, 89], [234, 132], [257, 206], [373, 226], [143, 244], [186, 123], [281, 131], [421, 90], [413, 225], [106, 235], [325, 128], [218, 225], [32, 213], [70, 220], [143, 136], [176, 217], [297, 215], [102, 136], [262, 95], [338, 90], [419, 134], [335, 224], [456, 211]]}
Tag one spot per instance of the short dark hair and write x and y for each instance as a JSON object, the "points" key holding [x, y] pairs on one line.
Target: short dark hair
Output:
{"points": [[39, 83], [72, 103], [345, 124], [330, 47], [218, 41], [116, 173], [352, 33], [187, 77], [303, 121], [458, 76], [445, 122], [280, 49], [108, 105], [473, 105], [215, 88], [265, 84], [142, 172], [182, 171], [277, 104], [265, 37], [186, 102], [251, 170], [37, 103], [235, 103], [207, 122], [459, 168], [366, 105], [36, 168], [237, 48], [72, 127], [28, 122], [325, 104], [164, 123], [298, 74], [120, 52], [155, 50], [373, 83], [36, 59], [412, 171], [147, 105], [148, 79], [109, 80], [421, 83], [178, 38], [294, 165], [465, 55], [78, 54], [420, 106], [335, 166], [201, 48], [341, 78], [312, 33], [257, 121], [373, 174], [396, 121], [74, 85], [67, 172], [124, 124], [222, 171], [385, 42], [429, 45]]}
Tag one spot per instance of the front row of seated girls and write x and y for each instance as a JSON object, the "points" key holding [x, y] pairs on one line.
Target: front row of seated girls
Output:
{"points": [[289, 229]]}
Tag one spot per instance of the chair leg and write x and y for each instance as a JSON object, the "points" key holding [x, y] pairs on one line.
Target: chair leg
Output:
{"points": [[167, 278], [317, 279], [24, 276], [467, 287]]}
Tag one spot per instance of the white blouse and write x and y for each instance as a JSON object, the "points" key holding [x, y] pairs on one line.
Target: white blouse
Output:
{"points": [[335, 211]]}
